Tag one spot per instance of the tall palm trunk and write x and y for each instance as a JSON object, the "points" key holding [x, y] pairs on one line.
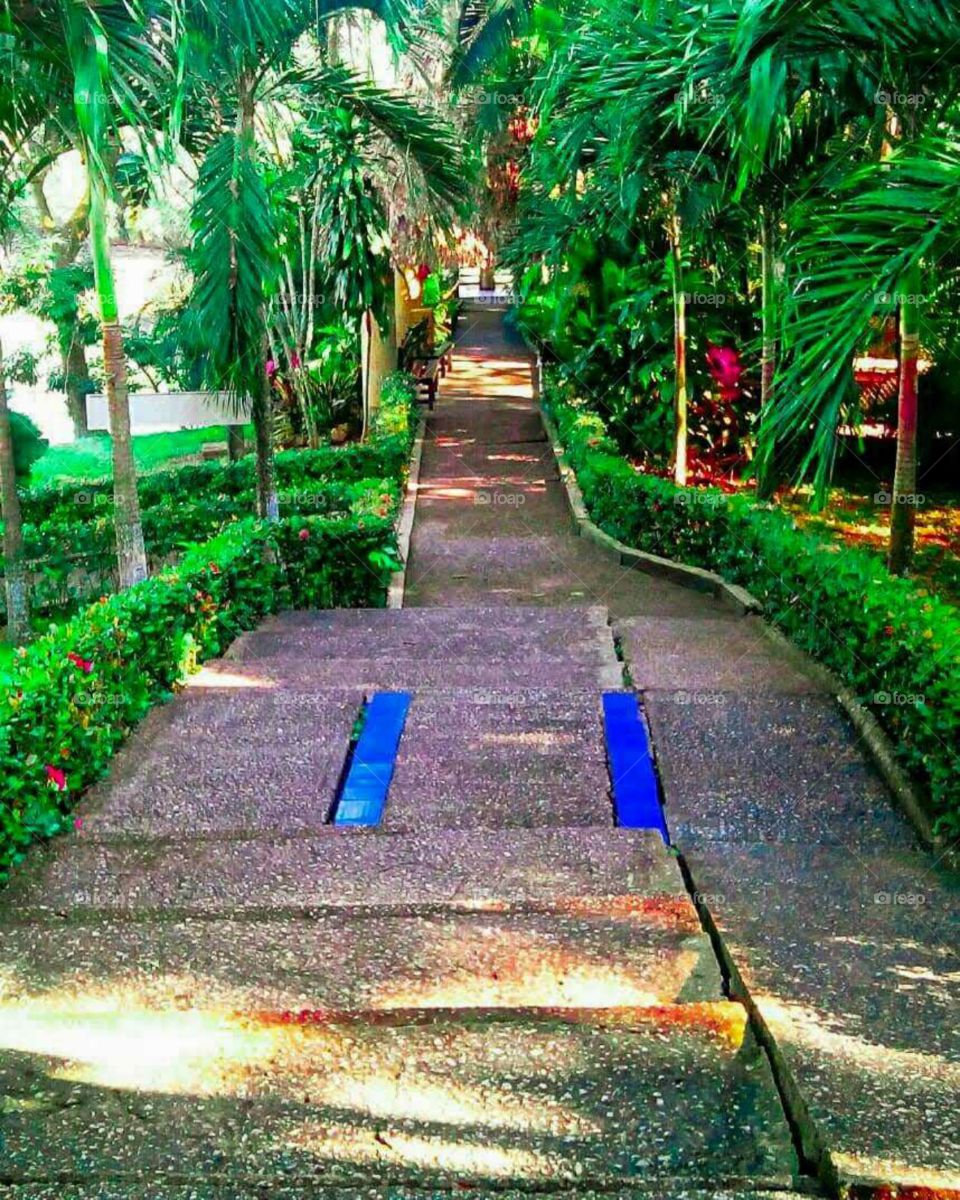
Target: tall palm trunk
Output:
{"points": [[15, 575], [76, 380], [268, 505], [131, 556], [903, 512], [680, 353], [767, 481]]}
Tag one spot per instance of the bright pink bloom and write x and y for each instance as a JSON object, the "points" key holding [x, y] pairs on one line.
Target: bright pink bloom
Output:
{"points": [[84, 664], [78, 823], [56, 776], [271, 368], [303, 535]]}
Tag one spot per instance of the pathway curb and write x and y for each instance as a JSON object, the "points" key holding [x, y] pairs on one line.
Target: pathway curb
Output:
{"points": [[408, 511], [880, 747]]}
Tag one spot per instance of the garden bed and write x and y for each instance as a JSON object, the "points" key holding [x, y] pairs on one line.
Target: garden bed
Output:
{"points": [[893, 644], [72, 696]]}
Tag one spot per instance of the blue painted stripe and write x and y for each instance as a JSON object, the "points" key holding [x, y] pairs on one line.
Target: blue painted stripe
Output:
{"points": [[636, 795], [364, 794]]}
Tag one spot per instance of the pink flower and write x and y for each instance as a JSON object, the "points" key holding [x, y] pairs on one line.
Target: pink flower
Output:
{"points": [[304, 535], [78, 823], [84, 664], [271, 368], [294, 360], [57, 777]]}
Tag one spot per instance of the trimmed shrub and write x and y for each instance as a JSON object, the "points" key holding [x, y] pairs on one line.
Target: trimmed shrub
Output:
{"points": [[70, 698], [893, 644]]}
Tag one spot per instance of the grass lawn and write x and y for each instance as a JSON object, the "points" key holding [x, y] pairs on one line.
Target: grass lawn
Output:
{"points": [[89, 458], [854, 517]]}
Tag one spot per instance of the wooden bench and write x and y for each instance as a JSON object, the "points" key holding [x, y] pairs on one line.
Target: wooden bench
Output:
{"points": [[426, 372]]}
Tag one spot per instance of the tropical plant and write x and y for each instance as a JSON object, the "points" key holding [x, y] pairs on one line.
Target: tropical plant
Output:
{"points": [[109, 57], [246, 75]]}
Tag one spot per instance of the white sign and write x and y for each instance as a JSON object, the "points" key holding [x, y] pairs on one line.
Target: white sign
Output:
{"points": [[156, 412]]}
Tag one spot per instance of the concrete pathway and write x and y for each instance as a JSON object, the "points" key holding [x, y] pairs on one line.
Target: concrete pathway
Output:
{"points": [[210, 991]]}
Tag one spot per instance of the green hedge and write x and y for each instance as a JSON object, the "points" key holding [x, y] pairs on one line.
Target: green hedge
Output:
{"points": [[892, 643], [68, 530], [70, 698]]}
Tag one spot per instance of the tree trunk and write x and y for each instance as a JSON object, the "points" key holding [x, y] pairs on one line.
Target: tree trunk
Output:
{"points": [[767, 480], [15, 575], [235, 444], [903, 511], [680, 355], [268, 505], [76, 383], [131, 556]]}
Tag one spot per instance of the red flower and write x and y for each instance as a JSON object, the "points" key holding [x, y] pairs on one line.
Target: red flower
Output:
{"points": [[888, 631], [57, 777], [214, 569], [84, 664], [304, 535]]}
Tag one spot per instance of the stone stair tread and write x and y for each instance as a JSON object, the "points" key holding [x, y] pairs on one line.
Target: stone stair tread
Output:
{"points": [[444, 1100], [676, 1189], [654, 953], [550, 647], [344, 869], [743, 769], [462, 618], [507, 792], [722, 654], [294, 672], [852, 964]]}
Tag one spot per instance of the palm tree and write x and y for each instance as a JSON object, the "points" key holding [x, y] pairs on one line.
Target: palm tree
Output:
{"points": [[108, 56], [863, 57], [242, 74]]}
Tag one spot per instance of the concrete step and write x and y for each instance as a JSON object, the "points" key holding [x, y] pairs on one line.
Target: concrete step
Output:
{"points": [[729, 654], [293, 672], [342, 869], [513, 791], [215, 764], [667, 1189], [742, 769], [590, 646], [441, 1101], [852, 963], [369, 962], [442, 621]]}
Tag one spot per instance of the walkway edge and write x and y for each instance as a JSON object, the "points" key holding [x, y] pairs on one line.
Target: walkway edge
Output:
{"points": [[408, 511], [880, 747]]}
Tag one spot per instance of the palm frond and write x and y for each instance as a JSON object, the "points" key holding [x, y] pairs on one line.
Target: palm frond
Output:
{"points": [[415, 133], [485, 28], [234, 260], [851, 258]]}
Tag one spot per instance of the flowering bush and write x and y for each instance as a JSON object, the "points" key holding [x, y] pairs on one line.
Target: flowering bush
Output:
{"points": [[71, 698], [69, 530], [893, 645]]}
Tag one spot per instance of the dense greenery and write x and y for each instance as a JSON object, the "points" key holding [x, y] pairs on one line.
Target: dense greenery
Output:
{"points": [[721, 205], [73, 695], [893, 645]]}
